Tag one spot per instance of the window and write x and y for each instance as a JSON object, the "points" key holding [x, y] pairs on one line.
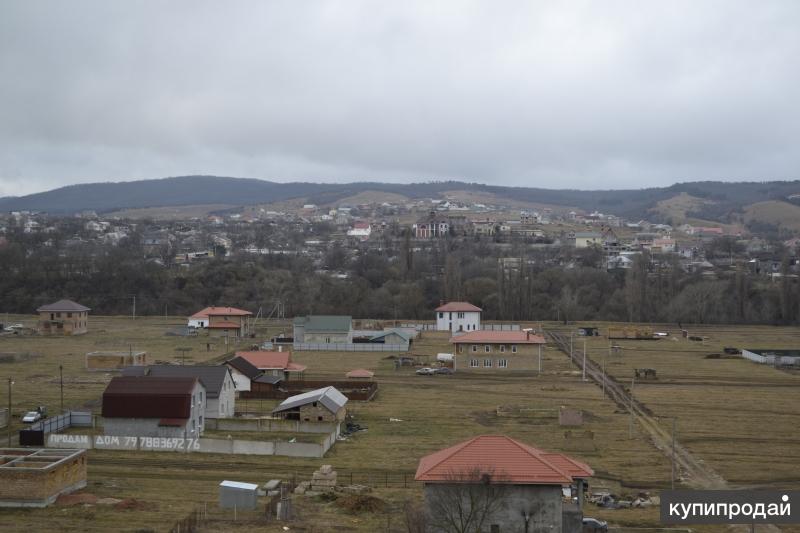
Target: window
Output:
{"points": [[474, 347], [513, 348], [441, 315], [474, 363], [314, 404], [319, 419], [502, 348], [502, 363], [487, 348], [201, 420], [69, 315], [487, 363], [460, 315]]}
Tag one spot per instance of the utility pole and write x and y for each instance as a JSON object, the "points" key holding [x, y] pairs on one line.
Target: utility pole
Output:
{"points": [[604, 377], [133, 312], [10, 382], [570, 346], [61, 379], [584, 359], [540, 359], [630, 429]]}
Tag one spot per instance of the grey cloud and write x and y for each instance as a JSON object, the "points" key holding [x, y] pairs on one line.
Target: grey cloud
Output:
{"points": [[554, 94]]}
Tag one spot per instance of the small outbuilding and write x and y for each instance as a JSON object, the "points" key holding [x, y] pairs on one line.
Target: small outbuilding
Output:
{"points": [[238, 495], [63, 317], [360, 373], [321, 405]]}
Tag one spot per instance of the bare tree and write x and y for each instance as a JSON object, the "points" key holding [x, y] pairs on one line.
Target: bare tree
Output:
{"points": [[414, 517], [465, 501]]}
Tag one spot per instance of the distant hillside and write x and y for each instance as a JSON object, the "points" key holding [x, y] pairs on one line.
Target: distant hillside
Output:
{"points": [[717, 200]]}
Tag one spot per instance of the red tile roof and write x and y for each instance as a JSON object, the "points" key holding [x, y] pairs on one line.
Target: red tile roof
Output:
{"points": [[505, 459], [220, 311], [271, 361], [360, 373], [460, 307], [498, 337]]}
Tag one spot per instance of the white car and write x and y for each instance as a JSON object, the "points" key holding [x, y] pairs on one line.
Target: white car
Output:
{"points": [[14, 327], [31, 417], [426, 371]]}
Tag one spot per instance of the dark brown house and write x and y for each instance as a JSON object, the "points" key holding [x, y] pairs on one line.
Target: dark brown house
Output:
{"points": [[63, 317], [146, 406]]}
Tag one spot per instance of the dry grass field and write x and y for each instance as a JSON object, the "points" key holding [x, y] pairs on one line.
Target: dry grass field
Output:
{"points": [[738, 417]]}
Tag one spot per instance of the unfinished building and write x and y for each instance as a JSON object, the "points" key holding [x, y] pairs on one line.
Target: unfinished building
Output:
{"points": [[35, 477]]}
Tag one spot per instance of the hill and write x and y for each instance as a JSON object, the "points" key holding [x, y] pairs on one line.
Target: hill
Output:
{"points": [[717, 201], [776, 213]]}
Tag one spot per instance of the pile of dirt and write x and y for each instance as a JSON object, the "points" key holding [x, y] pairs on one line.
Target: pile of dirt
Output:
{"points": [[132, 504], [361, 503], [76, 499]]}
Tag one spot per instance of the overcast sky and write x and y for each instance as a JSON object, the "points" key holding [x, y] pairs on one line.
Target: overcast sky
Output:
{"points": [[595, 94]]}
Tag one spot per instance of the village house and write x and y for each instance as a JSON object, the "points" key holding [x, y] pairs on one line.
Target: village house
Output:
{"points": [[361, 230], [518, 487], [321, 405], [244, 374], [586, 239], [497, 350], [146, 406], [220, 389], [458, 316], [432, 226], [323, 329], [63, 317], [272, 364], [227, 320]]}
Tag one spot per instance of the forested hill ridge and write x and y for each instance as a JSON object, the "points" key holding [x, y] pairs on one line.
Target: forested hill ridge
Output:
{"points": [[720, 200]]}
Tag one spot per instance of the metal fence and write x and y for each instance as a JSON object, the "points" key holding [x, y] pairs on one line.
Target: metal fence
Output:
{"points": [[350, 347], [500, 327], [35, 434]]}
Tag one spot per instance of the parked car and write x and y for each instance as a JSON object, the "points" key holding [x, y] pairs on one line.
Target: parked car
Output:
{"points": [[14, 327], [593, 525], [444, 370], [426, 371], [31, 417], [35, 415]]}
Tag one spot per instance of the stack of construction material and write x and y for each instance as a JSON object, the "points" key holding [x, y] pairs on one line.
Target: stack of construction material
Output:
{"points": [[324, 479]]}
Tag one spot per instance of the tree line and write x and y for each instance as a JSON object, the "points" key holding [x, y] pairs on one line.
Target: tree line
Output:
{"points": [[395, 278]]}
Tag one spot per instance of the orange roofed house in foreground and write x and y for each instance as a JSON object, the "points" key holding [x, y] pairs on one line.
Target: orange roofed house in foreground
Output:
{"points": [[516, 486], [498, 351], [229, 321]]}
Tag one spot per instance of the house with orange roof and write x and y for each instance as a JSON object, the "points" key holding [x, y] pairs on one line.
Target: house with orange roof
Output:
{"points": [[229, 321], [503, 485], [274, 363], [458, 316], [497, 350]]}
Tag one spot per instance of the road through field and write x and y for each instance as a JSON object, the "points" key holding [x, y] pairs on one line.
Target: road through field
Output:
{"points": [[696, 473]]}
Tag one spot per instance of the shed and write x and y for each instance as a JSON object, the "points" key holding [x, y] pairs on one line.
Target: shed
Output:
{"points": [[360, 373], [321, 405], [237, 495]]}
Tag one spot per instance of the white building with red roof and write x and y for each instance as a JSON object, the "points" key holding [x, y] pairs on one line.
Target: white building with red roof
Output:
{"points": [[360, 229], [227, 320], [458, 316], [519, 487]]}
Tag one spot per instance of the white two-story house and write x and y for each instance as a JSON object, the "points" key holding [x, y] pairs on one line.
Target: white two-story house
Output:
{"points": [[457, 317]]}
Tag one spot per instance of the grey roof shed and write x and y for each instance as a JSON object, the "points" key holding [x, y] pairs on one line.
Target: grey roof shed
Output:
{"points": [[330, 397], [235, 494]]}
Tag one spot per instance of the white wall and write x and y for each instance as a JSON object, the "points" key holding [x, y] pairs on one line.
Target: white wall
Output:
{"points": [[458, 321]]}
